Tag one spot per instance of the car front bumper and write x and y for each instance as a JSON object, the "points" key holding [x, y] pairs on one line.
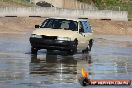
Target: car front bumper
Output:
{"points": [[41, 43]]}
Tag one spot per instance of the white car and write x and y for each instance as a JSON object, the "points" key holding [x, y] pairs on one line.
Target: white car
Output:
{"points": [[62, 34]]}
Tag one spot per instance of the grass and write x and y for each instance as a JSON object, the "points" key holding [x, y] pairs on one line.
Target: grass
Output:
{"points": [[86, 1], [118, 5]]}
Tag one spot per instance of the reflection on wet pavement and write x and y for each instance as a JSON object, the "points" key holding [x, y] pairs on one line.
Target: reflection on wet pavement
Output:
{"points": [[61, 70], [18, 68]]}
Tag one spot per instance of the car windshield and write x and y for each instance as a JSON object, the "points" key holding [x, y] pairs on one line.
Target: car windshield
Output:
{"points": [[60, 24]]}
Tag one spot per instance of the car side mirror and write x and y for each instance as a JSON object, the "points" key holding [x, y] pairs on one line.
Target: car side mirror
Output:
{"points": [[37, 26]]}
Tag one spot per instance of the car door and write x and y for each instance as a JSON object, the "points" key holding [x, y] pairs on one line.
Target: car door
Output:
{"points": [[85, 34]]}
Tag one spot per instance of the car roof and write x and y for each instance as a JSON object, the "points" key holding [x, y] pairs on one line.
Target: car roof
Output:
{"points": [[74, 19]]}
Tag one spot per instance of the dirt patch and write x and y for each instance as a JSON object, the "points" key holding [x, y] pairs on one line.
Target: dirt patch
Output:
{"points": [[8, 24], [111, 27], [17, 24]]}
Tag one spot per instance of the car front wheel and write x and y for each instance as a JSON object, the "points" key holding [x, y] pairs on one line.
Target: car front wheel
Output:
{"points": [[72, 51], [34, 50]]}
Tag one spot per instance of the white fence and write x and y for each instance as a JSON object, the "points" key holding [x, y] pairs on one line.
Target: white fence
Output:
{"points": [[55, 12]]}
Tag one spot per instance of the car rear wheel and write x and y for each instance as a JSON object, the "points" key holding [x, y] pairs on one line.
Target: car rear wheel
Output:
{"points": [[89, 47], [90, 44], [34, 50]]}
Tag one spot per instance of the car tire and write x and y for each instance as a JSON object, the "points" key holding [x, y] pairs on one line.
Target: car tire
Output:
{"points": [[48, 50], [90, 44], [34, 50], [72, 51], [85, 51]]}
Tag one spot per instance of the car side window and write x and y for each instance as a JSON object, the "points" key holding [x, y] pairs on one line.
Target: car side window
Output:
{"points": [[86, 27]]}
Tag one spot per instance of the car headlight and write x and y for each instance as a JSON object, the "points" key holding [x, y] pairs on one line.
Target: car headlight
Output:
{"points": [[36, 36], [64, 38]]}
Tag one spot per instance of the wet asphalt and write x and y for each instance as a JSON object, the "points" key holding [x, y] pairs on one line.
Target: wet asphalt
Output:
{"points": [[110, 58]]}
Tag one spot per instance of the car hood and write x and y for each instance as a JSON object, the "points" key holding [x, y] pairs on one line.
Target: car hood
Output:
{"points": [[55, 32]]}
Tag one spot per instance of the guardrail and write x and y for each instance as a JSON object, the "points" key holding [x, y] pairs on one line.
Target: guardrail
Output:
{"points": [[56, 12]]}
